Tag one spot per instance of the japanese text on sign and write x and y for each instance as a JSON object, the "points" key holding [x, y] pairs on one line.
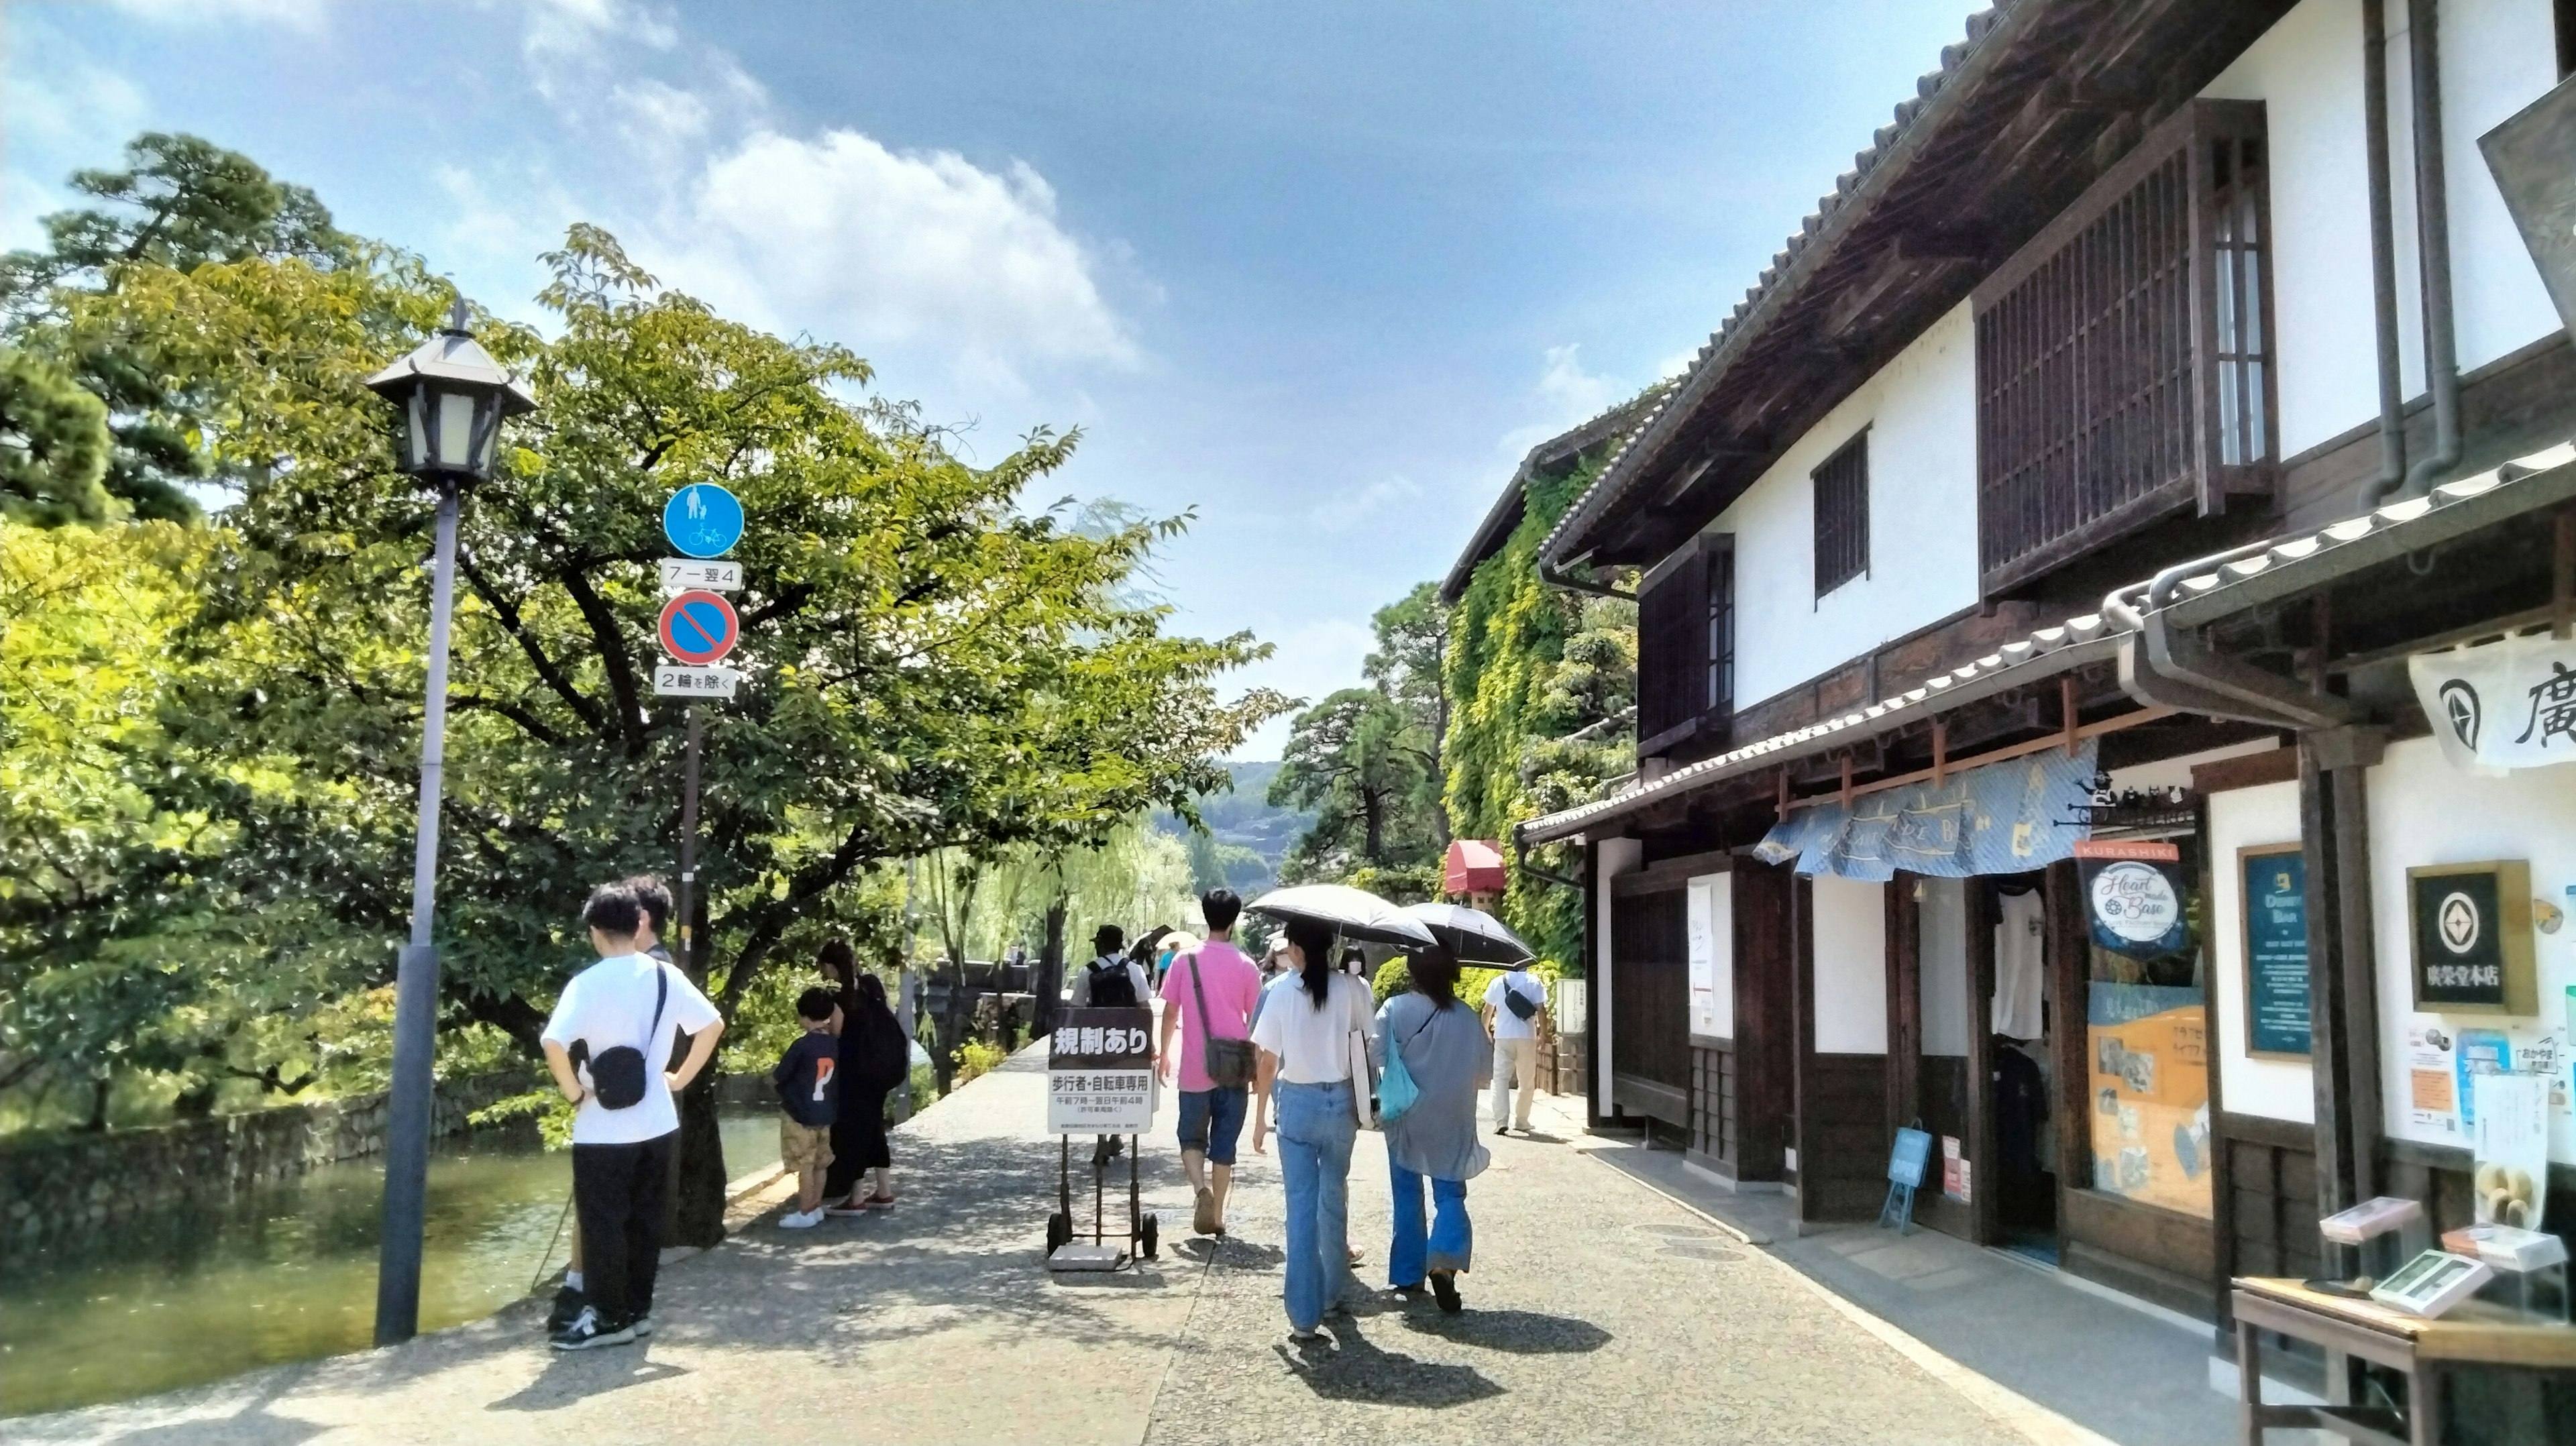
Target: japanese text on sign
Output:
{"points": [[1100, 1075]]}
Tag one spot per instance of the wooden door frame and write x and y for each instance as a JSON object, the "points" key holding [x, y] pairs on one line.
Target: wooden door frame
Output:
{"points": [[2069, 970], [1983, 914]]}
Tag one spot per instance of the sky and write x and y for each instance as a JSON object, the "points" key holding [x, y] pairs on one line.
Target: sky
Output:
{"points": [[1317, 273]]}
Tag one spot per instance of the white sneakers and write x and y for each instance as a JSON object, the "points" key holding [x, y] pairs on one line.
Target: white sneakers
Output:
{"points": [[800, 1220]]}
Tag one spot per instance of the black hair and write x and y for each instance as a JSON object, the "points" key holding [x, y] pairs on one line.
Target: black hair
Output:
{"points": [[1220, 907], [1435, 976], [815, 1004], [654, 897], [872, 992], [1108, 938], [612, 909], [1354, 959], [1315, 942], [836, 959]]}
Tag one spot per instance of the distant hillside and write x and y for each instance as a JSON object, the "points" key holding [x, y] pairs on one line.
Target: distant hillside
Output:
{"points": [[1243, 819]]}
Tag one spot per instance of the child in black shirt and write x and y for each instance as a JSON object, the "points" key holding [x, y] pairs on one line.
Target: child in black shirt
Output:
{"points": [[809, 1093]]}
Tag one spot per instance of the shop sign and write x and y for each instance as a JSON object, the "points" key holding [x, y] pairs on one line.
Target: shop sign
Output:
{"points": [[1100, 1072], [2274, 883], [2508, 704], [2471, 929], [2133, 892]]}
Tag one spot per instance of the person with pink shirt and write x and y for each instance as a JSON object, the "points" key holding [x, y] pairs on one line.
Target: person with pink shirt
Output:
{"points": [[1215, 988]]}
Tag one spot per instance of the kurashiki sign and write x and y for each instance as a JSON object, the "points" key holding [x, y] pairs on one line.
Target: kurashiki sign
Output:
{"points": [[2134, 893]]}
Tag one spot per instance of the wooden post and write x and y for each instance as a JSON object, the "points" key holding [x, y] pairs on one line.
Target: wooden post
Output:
{"points": [[1904, 1002], [2325, 984], [2562, 577], [1847, 781], [1980, 1144], [2066, 713], [1940, 752], [1780, 810], [1802, 1046], [2069, 956]]}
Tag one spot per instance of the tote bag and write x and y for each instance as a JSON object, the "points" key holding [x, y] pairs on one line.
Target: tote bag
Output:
{"points": [[1363, 1102]]}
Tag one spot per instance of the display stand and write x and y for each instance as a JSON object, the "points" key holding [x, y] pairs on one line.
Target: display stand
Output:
{"points": [[2425, 1352]]}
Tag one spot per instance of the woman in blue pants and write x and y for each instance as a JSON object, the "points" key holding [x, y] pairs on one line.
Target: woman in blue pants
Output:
{"points": [[1434, 1140], [1306, 1033]]}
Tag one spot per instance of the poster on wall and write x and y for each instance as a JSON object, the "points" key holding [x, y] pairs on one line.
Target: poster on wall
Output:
{"points": [[2274, 899], [2133, 893], [1703, 959], [2509, 1185], [2432, 1091], [2478, 1052], [2150, 1092], [2506, 704], [2470, 926]]}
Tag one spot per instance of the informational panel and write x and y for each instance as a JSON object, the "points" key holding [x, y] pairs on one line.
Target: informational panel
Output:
{"points": [[1100, 1072], [2274, 882], [2472, 937], [2150, 1094], [1711, 905]]}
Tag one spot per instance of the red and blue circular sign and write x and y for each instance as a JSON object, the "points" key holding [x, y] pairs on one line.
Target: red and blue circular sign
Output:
{"points": [[699, 628]]}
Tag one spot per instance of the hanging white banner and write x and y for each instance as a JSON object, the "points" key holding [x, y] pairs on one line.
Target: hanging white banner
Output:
{"points": [[2508, 704]]}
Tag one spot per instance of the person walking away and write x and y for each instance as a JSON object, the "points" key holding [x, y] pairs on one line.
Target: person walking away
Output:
{"points": [[874, 1059], [1434, 1139], [1306, 1068], [1109, 982], [1214, 987], [614, 1025], [807, 1078], [1515, 1005]]}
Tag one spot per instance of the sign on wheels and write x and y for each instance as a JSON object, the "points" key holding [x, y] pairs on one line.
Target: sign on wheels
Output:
{"points": [[699, 628], [1100, 1072]]}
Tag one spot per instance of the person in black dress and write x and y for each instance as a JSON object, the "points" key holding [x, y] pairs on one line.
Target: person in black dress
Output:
{"points": [[874, 1057]]}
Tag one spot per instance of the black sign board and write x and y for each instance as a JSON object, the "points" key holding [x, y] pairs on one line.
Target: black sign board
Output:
{"points": [[2471, 931], [2275, 900]]}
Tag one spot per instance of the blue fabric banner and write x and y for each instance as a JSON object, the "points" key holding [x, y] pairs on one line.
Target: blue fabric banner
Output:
{"points": [[2003, 818]]}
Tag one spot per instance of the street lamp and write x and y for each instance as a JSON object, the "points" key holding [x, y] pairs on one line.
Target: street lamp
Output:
{"points": [[452, 397]]}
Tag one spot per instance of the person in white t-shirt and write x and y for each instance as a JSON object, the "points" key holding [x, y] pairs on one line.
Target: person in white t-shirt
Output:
{"points": [[1311, 1066], [1515, 1007], [628, 1004]]}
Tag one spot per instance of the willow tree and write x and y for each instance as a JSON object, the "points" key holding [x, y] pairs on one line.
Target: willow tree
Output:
{"points": [[927, 663]]}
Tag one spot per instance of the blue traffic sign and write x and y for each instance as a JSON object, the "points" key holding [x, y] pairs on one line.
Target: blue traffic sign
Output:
{"points": [[702, 520]]}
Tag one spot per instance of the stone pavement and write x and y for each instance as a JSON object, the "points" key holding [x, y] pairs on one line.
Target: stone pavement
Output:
{"points": [[1600, 1310]]}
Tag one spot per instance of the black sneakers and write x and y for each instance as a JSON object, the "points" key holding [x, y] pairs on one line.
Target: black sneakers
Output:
{"points": [[588, 1330], [1444, 1288], [566, 1310]]}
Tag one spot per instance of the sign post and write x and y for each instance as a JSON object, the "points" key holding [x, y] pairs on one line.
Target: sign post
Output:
{"points": [[698, 630]]}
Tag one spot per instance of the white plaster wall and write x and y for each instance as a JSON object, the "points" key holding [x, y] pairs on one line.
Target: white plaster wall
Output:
{"points": [[1921, 412], [1617, 856], [1851, 967], [2274, 1088], [1941, 961], [2497, 57], [2423, 811]]}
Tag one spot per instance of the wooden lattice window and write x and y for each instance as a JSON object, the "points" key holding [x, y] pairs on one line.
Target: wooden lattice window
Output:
{"points": [[1686, 643], [1842, 515], [2124, 356], [1720, 585]]}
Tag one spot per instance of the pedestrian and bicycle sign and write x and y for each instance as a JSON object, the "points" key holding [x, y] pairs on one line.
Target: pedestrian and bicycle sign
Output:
{"points": [[702, 520], [699, 627]]}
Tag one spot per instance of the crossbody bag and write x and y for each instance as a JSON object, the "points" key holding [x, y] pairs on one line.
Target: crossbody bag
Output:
{"points": [[1228, 1061], [617, 1076]]}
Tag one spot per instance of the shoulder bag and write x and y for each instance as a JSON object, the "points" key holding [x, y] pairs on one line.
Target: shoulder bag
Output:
{"points": [[1228, 1061], [1363, 1078], [617, 1076], [1396, 1090]]}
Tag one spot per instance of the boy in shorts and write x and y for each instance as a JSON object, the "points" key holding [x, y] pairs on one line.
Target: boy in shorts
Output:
{"points": [[809, 1095]]}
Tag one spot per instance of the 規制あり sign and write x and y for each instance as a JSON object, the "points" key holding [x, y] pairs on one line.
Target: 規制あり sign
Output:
{"points": [[1100, 1072]]}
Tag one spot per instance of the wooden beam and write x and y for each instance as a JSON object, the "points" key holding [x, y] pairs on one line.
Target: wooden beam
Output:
{"points": [[2562, 578], [2066, 713], [1780, 809], [1847, 787], [1940, 752], [2089, 730]]}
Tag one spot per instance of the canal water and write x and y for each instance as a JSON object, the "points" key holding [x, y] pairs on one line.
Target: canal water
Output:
{"points": [[288, 1272]]}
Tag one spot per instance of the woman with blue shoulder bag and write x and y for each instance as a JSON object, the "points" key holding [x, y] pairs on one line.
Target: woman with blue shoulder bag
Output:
{"points": [[1435, 1050]]}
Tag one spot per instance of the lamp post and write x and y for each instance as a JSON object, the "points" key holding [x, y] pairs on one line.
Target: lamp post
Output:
{"points": [[452, 397]]}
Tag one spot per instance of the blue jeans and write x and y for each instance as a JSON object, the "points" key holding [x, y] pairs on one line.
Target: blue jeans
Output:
{"points": [[1316, 1130], [1211, 1120], [1453, 1235]]}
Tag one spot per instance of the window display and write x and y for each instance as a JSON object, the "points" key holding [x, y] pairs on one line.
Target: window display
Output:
{"points": [[2147, 1021]]}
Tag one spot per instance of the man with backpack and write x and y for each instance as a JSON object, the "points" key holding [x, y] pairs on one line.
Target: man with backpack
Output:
{"points": [[1214, 988], [1109, 981], [606, 1043], [1515, 1010]]}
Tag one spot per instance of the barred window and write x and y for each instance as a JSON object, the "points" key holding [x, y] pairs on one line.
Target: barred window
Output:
{"points": [[1842, 516], [1720, 566]]}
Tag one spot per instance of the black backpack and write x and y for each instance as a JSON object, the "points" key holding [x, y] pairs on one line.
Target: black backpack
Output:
{"points": [[1112, 987]]}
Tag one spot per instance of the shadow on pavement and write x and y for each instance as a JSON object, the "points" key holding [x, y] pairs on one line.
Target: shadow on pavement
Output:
{"points": [[573, 1377], [1358, 1371], [1230, 1251], [1519, 1332], [252, 1425]]}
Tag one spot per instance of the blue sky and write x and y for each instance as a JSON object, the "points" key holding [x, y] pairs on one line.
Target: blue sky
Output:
{"points": [[1321, 272]]}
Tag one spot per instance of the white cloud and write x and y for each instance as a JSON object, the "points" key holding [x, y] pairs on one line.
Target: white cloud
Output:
{"points": [[303, 15], [1313, 658], [1346, 509], [840, 236], [59, 101], [567, 41], [1564, 395]]}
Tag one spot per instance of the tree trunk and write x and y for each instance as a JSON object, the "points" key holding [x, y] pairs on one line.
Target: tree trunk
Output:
{"points": [[1050, 981], [1373, 812], [696, 1216]]}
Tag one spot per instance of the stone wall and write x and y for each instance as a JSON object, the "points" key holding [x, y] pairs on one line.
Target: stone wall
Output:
{"points": [[60, 1187]]}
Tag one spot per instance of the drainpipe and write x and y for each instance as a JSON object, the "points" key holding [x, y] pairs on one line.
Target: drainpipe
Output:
{"points": [[2433, 245], [2163, 666], [1520, 856], [2383, 256], [1555, 576]]}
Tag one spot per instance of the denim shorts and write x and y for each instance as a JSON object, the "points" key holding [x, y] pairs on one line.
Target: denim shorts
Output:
{"points": [[1212, 1119]]}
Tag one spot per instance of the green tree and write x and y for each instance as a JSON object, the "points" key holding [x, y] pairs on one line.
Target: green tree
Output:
{"points": [[1412, 641], [1357, 759], [53, 444], [181, 202]]}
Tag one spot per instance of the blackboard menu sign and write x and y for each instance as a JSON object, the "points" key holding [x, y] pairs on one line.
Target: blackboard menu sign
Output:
{"points": [[2472, 935], [2275, 900]]}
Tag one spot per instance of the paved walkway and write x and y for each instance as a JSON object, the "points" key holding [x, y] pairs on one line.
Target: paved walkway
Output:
{"points": [[1601, 1310]]}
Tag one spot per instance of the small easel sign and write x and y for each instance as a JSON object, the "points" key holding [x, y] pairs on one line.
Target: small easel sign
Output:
{"points": [[1904, 1173]]}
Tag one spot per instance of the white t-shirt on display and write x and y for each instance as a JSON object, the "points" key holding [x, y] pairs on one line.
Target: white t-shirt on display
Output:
{"points": [[1314, 1045], [2021, 973], [1508, 1025], [611, 1004]]}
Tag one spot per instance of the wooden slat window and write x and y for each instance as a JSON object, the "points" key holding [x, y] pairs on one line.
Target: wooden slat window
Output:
{"points": [[1719, 569], [1842, 516], [2124, 356], [1671, 638]]}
